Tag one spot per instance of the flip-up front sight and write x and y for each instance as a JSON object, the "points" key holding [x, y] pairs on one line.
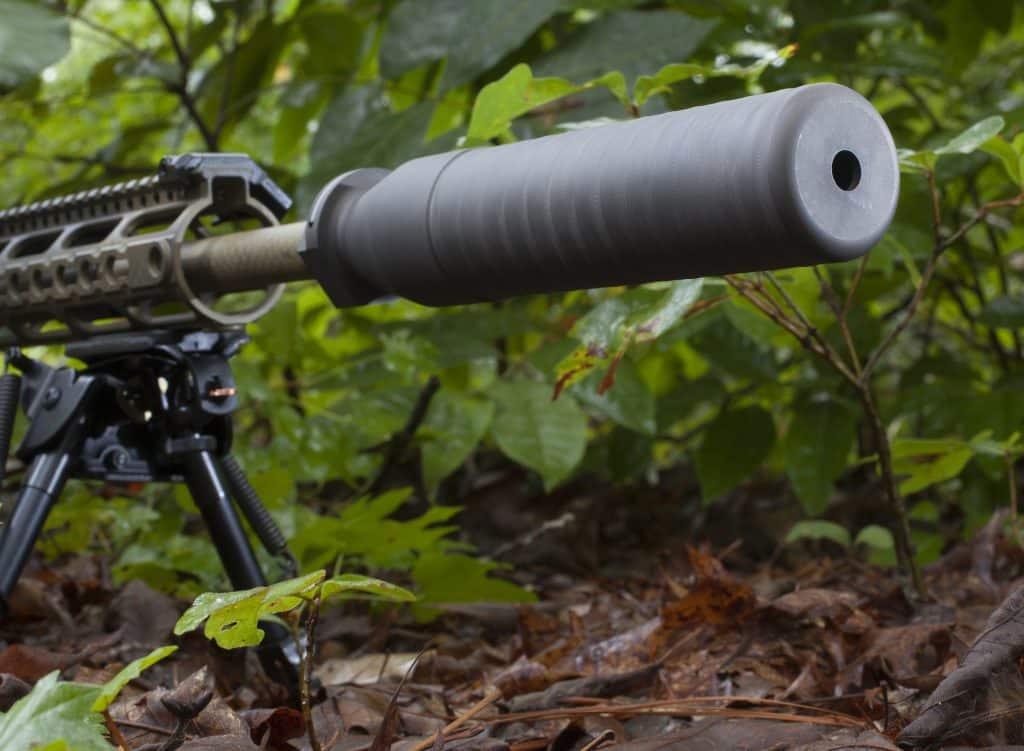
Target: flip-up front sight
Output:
{"points": [[795, 177]]}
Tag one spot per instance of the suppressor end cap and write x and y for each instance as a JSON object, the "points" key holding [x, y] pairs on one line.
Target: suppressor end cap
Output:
{"points": [[321, 247], [843, 171]]}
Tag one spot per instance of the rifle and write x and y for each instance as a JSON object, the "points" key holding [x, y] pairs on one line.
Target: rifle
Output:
{"points": [[151, 282]]}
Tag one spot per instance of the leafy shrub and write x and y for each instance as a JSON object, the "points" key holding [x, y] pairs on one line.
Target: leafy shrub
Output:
{"points": [[905, 366]]}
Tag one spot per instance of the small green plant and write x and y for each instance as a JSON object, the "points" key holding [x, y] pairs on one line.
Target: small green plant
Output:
{"points": [[232, 618], [60, 715]]}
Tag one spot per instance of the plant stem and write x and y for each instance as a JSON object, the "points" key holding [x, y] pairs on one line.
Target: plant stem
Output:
{"points": [[306, 673], [901, 536], [115, 732]]}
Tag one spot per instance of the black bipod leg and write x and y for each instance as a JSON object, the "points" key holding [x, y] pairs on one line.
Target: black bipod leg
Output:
{"points": [[207, 484], [256, 514], [43, 483]]}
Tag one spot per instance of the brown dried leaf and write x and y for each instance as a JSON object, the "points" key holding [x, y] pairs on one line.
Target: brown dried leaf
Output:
{"points": [[32, 663], [717, 598], [521, 677]]}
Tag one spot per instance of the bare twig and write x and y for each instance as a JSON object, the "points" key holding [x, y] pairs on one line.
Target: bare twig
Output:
{"points": [[401, 440], [489, 698], [180, 88], [172, 36]]}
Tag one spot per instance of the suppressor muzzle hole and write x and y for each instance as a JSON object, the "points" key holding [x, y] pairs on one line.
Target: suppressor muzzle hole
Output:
{"points": [[846, 170]]}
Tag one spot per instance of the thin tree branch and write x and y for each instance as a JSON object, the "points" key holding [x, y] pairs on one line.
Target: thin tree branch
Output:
{"points": [[181, 87], [839, 310], [401, 440], [179, 52]]}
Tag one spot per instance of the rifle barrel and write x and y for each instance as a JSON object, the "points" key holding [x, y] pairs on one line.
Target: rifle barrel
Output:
{"points": [[249, 260]]}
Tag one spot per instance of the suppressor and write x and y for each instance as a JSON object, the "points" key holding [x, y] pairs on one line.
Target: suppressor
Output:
{"points": [[796, 177], [791, 178]]}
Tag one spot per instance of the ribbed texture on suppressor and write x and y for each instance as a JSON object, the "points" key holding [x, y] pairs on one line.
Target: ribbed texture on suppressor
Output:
{"points": [[757, 183]]}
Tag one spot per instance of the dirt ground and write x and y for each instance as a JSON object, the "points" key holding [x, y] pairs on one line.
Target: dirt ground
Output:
{"points": [[659, 626]]}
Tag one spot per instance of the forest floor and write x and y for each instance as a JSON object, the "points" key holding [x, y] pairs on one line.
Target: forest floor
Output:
{"points": [[659, 626]]}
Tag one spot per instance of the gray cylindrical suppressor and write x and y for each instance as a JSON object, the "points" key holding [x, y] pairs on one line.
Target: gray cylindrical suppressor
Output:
{"points": [[791, 178]]}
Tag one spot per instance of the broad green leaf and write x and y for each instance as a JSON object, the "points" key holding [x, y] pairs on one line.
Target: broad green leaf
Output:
{"points": [[347, 584], [633, 42], [818, 529], [816, 446], [129, 673], [880, 544], [359, 129], [362, 530], [734, 445], [1005, 312], [1008, 156], [972, 138], [454, 426], [925, 462], [518, 92], [545, 435], [733, 349], [629, 402], [249, 69], [31, 37], [472, 36], [232, 618], [648, 86], [454, 578], [916, 161], [54, 711], [610, 328], [915, 447], [512, 95]]}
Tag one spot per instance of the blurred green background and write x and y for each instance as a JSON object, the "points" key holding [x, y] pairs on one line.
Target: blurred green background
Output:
{"points": [[924, 443]]}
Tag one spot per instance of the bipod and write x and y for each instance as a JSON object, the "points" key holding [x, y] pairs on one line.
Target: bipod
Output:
{"points": [[147, 407]]}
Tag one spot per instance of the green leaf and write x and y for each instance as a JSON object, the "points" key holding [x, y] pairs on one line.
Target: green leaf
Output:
{"points": [[880, 542], [472, 36], [818, 529], [1005, 312], [613, 326], [875, 536], [512, 95], [518, 92], [629, 402], [633, 42], [972, 138], [248, 70], [54, 711], [348, 584], [648, 86], [129, 673], [734, 445], [925, 462], [547, 436], [1008, 156], [31, 37], [453, 578], [816, 446], [232, 618], [455, 425], [359, 129]]}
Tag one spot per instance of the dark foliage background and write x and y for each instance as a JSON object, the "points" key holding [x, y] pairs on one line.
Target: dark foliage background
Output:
{"points": [[887, 394]]}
